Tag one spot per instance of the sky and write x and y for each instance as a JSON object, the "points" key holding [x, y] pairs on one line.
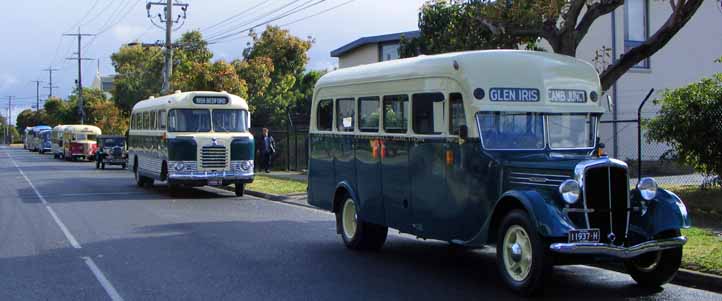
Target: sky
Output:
{"points": [[33, 31]]}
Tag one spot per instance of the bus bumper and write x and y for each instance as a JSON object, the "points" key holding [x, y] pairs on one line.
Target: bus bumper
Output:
{"points": [[211, 175]]}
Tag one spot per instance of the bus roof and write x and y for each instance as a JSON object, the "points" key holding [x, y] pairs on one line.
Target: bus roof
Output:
{"points": [[185, 99], [39, 128], [82, 128], [492, 71]]}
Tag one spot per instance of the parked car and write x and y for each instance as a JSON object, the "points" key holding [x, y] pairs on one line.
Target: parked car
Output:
{"points": [[111, 151]]}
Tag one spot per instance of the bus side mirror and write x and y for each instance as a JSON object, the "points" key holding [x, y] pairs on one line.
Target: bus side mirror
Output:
{"points": [[463, 132]]}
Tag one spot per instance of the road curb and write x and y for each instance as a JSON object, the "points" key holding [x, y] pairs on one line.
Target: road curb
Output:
{"points": [[286, 199], [684, 277]]}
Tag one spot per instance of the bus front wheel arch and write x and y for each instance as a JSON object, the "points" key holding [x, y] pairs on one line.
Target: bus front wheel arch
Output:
{"points": [[503, 207]]}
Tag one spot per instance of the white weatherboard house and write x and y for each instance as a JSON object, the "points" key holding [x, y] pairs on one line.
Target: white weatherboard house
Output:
{"points": [[687, 58]]}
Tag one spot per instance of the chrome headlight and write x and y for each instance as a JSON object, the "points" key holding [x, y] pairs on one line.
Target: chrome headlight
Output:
{"points": [[246, 165], [570, 191], [647, 188], [179, 166]]}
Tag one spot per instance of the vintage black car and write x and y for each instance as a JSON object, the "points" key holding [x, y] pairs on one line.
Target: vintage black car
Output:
{"points": [[111, 151]]}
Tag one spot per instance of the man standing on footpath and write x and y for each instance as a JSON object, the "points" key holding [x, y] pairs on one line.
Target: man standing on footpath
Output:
{"points": [[267, 148]]}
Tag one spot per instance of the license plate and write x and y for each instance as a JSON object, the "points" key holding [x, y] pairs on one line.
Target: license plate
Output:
{"points": [[584, 235], [215, 182]]}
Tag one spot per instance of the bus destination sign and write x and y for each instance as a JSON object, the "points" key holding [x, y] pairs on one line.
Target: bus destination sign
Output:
{"points": [[567, 96], [514, 94], [210, 100]]}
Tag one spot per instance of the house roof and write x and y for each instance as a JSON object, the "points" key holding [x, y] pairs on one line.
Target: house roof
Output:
{"points": [[372, 40]]}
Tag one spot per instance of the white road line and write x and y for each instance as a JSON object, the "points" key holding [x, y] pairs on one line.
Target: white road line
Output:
{"points": [[109, 289], [98, 193], [68, 235], [107, 286]]}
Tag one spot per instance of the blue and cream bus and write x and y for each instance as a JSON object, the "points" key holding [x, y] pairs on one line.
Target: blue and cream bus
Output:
{"points": [[487, 148], [192, 139]]}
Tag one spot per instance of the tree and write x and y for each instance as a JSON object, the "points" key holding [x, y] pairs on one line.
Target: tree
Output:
{"points": [[218, 76], [29, 117], [108, 117], [58, 111], [690, 121], [562, 23], [138, 74], [282, 59]]}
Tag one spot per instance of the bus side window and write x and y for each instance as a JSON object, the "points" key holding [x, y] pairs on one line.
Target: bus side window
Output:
{"points": [[152, 120], [345, 114], [395, 113], [146, 120], [324, 115], [457, 117], [368, 114], [162, 119], [428, 113]]}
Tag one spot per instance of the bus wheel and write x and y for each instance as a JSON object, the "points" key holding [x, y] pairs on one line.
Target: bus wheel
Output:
{"points": [[520, 254], [357, 234], [240, 189], [655, 268]]}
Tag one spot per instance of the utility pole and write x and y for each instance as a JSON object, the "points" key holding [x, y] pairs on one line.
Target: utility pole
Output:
{"points": [[9, 141], [50, 83], [37, 94], [168, 20], [80, 59]]}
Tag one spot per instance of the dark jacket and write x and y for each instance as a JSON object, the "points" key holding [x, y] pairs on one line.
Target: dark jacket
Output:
{"points": [[261, 142]]}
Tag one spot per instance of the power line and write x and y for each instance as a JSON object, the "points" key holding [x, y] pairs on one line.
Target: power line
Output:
{"points": [[299, 9], [317, 14], [244, 23], [226, 20], [169, 22]]}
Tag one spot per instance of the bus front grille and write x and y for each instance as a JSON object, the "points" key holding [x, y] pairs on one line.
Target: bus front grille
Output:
{"points": [[213, 157]]}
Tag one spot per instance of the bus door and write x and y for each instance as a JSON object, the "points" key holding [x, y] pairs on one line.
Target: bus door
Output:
{"points": [[321, 154], [368, 149], [394, 151], [428, 167]]}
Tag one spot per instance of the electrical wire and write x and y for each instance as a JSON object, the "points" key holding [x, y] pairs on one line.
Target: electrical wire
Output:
{"points": [[317, 14], [257, 18], [234, 34], [203, 30]]}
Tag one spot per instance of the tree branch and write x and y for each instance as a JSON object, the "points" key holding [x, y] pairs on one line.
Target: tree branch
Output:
{"points": [[593, 12], [570, 19], [674, 23]]}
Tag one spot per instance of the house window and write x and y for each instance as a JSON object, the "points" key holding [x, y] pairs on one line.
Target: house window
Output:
{"points": [[389, 52], [636, 29]]}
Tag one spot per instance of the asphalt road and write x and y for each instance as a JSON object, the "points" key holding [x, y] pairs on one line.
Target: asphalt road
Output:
{"points": [[79, 233]]}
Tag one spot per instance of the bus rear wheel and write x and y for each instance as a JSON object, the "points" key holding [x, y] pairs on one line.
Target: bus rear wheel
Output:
{"points": [[357, 234], [139, 179]]}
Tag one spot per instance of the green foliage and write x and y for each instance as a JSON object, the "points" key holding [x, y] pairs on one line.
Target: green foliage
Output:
{"points": [[138, 74], [449, 26], [282, 59], [690, 121]]}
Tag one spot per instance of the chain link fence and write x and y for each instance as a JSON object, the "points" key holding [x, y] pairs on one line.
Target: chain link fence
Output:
{"points": [[655, 157]]}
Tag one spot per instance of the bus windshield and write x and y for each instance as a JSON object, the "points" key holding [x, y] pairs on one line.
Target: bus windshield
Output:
{"points": [[229, 120], [511, 130], [571, 130], [189, 120], [526, 131]]}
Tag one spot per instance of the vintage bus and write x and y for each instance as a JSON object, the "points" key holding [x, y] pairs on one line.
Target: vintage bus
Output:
{"points": [[56, 140], [487, 148], [42, 141], [192, 139], [26, 137], [79, 142], [33, 139]]}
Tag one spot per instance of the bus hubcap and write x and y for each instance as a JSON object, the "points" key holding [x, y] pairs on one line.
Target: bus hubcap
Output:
{"points": [[517, 253], [349, 219]]}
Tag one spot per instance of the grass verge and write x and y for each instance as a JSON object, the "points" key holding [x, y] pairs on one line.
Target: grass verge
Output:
{"points": [[277, 186], [703, 251]]}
